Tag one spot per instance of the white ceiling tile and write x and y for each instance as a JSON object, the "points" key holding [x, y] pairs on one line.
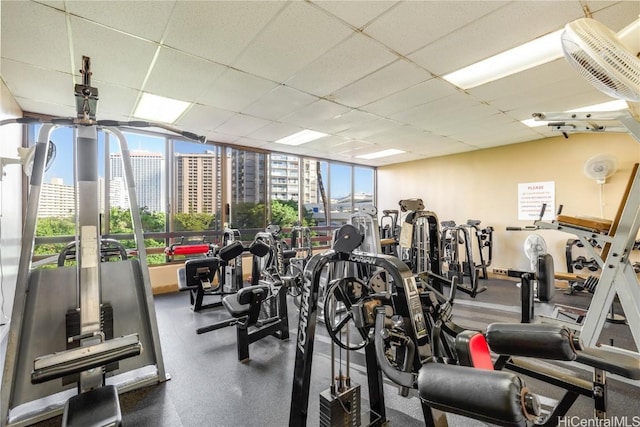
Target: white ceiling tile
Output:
{"points": [[330, 142], [356, 13], [181, 76], [310, 116], [40, 107], [615, 15], [348, 61], [203, 117], [56, 4], [213, 137], [19, 78], [343, 122], [116, 58], [114, 100], [133, 17], [297, 36], [24, 28], [485, 37], [218, 30], [411, 97], [414, 24], [275, 131], [242, 125], [278, 103], [392, 78], [369, 127], [234, 90], [251, 142]]}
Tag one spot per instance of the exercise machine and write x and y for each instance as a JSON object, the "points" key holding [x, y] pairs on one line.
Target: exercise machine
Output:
{"points": [[206, 275], [77, 332], [257, 311], [389, 231], [453, 238]]}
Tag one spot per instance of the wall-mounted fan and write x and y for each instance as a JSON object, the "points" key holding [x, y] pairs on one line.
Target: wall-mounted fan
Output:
{"points": [[598, 55], [600, 167], [534, 246], [25, 158]]}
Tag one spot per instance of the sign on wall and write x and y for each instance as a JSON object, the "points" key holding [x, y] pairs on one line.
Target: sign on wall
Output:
{"points": [[532, 195]]}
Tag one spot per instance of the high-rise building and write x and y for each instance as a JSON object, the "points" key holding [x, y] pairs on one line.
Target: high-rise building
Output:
{"points": [[56, 199], [196, 182], [147, 169], [285, 178], [248, 177]]}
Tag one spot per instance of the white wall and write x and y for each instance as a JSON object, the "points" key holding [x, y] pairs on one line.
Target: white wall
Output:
{"points": [[10, 202], [483, 185]]}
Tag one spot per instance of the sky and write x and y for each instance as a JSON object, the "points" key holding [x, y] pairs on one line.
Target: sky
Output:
{"points": [[62, 165]]}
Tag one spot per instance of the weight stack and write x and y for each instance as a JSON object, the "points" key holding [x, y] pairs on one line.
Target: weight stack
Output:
{"points": [[342, 409]]}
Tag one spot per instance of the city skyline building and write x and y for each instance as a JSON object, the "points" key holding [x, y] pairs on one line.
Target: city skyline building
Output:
{"points": [[196, 181], [147, 167]]}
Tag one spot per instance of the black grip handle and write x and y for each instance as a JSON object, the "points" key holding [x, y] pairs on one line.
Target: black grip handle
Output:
{"points": [[514, 228], [191, 135]]}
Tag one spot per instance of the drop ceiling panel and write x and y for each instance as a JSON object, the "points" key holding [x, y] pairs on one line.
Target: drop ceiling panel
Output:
{"points": [[252, 142], [368, 128], [390, 79], [25, 28], [348, 61], [222, 137], [181, 76], [114, 100], [343, 122], [314, 114], [470, 44], [275, 131], [414, 24], [133, 17], [218, 30], [279, 103], [242, 125], [235, 90], [358, 13], [328, 143], [298, 35], [406, 99], [204, 117], [615, 15], [40, 107], [116, 58], [19, 78]]}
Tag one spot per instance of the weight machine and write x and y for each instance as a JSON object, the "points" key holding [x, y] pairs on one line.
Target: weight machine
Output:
{"points": [[77, 333]]}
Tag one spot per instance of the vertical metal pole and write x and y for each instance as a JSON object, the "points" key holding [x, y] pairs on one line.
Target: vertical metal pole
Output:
{"points": [[24, 267], [88, 261], [142, 253]]}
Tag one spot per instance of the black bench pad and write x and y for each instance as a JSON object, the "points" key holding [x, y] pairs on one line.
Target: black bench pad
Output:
{"points": [[95, 408], [239, 304], [620, 364]]}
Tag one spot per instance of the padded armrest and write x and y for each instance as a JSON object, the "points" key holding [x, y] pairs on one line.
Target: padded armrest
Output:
{"points": [[231, 251], [288, 254], [543, 341], [491, 396], [620, 364]]}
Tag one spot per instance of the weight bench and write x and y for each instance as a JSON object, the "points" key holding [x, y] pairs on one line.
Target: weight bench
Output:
{"points": [[96, 407]]}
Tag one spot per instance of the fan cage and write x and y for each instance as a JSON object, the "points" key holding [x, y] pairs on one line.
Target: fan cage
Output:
{"points": [[598, 56]]}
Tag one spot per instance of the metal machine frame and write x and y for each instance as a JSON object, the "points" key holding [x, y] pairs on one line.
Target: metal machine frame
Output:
{"points": [[617, 275]]}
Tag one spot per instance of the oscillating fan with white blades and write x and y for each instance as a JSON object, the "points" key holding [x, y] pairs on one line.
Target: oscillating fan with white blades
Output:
{"points": [[534, 245], [600, 167], [26, 157], [598, 55]]}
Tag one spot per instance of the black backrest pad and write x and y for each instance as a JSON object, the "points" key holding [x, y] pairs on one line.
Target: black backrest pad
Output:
{"points": [[249, 294], [259, 248], [546, 278], [200, 268], [231, 251]]}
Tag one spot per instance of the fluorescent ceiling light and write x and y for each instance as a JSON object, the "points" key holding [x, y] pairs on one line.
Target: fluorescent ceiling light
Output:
{"points": [[616, 105], [378, 154], [159, 108], [301, 137], [531, 54]]}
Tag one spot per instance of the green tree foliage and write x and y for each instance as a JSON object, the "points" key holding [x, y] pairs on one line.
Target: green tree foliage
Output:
{"points": [[54, 226], [248, 215], [285, 214], [185, 221]]}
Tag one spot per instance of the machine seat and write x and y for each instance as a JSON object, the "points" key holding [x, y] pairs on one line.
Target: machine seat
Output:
{"points": [[240, 304], [96, 408]]}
